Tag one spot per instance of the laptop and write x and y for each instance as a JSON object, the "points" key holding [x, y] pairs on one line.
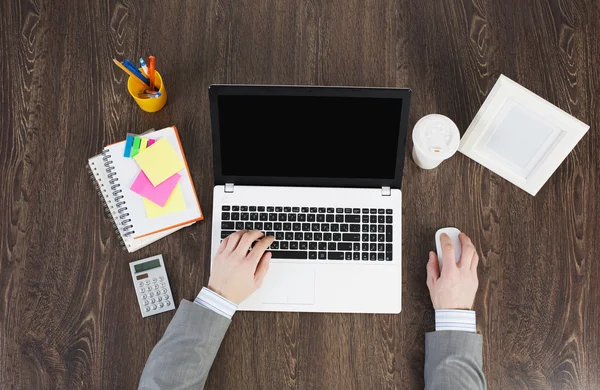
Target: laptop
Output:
{"points": [[319, 168]]}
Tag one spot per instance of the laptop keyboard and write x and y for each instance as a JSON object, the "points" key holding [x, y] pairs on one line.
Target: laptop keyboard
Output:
{"points": [[317, 233]]}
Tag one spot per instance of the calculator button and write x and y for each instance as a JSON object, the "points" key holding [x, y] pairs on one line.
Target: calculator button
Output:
{"points": [[153, 300], [149, 288], [162, 285], [145, 303], [147, 282], [141, 283], [158, 292], [151, 294], [164, 290], [153, 307], [161, 305], [161, 278], [168, 303], [144, 296], [159, 299], [166, 297], [142, 290], [156, 286], [147, 308], [154, 280]]}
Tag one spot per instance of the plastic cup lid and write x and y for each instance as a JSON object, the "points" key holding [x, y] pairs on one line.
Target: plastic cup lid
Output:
{"points": [[436, 136]]}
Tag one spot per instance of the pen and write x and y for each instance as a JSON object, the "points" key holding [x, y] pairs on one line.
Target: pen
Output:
{"points": [[120, 65], [144, 67], [129, 65], [151, 68], [153, 95]]}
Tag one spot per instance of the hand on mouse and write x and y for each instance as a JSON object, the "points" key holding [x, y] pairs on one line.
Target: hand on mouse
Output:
{"points": [[237, 273], [457, 285]]}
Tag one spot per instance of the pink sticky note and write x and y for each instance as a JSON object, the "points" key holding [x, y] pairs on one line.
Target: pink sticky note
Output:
{"points": [[150, 142], [159, 194]]}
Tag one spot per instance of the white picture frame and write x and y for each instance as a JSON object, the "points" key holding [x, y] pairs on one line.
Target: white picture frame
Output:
{"points": [[520, 136]]}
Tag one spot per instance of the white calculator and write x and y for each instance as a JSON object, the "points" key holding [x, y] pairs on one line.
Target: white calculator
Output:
{"points": [[151, 285]]}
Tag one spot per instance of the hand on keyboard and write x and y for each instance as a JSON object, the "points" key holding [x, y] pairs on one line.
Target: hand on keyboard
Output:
{"points": [[237, 272], [317, 233]]}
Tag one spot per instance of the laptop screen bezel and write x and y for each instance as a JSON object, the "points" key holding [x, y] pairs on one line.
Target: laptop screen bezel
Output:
{"points": [[217, 90]]}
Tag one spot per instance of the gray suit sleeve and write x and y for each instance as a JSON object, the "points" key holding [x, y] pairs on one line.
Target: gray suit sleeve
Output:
{"points": [[453, 360], [184, 355]]}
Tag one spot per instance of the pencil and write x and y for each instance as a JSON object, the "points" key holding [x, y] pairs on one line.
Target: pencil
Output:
{"points": [[151, 68], [120, 65], [134, 69]]}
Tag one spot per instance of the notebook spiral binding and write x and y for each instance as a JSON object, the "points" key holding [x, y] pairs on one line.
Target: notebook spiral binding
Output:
{"points": [[121, 224]]}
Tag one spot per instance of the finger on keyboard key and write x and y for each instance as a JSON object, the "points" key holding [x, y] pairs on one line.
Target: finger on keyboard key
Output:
{"points": [[225, 233]]}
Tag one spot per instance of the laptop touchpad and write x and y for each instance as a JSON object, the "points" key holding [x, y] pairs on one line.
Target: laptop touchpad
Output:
{"points": [[289, 283]]}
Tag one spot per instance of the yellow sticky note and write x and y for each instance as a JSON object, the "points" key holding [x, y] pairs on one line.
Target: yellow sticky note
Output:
{"points": [[143, 144], [174, 203], [159, 162]]}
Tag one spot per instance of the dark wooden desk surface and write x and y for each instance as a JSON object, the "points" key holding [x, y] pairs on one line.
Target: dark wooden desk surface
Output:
{"points": [[68, 317]]}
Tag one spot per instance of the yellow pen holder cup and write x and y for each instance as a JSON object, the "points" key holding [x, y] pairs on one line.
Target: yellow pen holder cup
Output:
{"points": [[135, 87]]}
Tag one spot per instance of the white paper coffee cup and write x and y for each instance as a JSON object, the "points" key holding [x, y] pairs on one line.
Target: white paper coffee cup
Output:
{"points": [[435, 138]]}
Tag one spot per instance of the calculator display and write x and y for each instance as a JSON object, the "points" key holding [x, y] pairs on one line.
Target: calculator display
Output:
{"points": [[147, 265]]}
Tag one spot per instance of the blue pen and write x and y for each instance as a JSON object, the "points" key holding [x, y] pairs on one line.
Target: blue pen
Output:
{"points": [[144, 67], [132, 68]]}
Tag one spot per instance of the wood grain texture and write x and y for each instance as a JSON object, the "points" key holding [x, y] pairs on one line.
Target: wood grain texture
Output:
{"points": [[68, 318]]}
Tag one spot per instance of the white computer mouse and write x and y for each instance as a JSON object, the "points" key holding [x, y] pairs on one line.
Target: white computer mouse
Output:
{"points": [[453, 233]]}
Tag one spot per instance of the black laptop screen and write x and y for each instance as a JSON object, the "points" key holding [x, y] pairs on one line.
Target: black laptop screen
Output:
{"points": [[309, 136]]}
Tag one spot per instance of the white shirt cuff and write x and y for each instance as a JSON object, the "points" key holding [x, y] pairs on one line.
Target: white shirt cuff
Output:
{"points": [[213, 301], [462, 320]]}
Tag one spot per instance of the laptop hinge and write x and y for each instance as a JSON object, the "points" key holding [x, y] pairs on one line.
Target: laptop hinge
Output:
{"points": [[386, 191], [228, 187]]}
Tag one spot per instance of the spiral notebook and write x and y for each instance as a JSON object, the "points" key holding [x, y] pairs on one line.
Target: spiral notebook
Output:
{"points": [[113, 174]]}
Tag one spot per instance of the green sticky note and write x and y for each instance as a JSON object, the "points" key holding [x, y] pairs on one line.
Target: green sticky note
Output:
{"points": [[136, 146]]}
